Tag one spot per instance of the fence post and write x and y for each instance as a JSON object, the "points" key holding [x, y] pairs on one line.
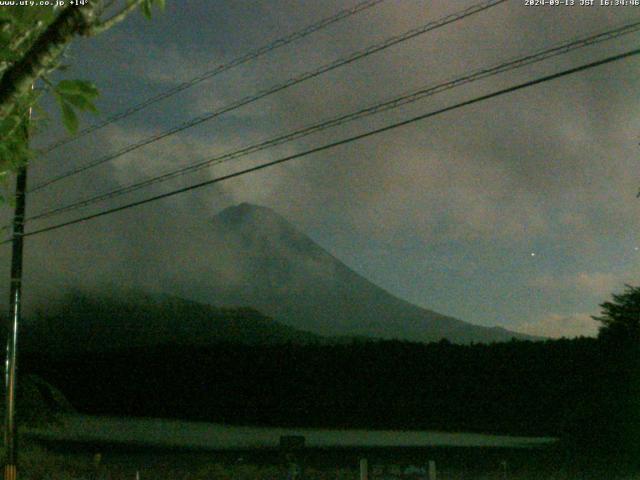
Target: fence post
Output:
{"points": [[364, 469], [432, 470], [291, 445]]}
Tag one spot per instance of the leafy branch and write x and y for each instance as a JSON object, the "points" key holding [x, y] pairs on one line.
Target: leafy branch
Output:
{"points": [[32, 42]]}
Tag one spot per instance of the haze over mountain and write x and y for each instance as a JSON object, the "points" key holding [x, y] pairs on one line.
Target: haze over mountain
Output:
{"points": [[264, 262], [123, 319]]}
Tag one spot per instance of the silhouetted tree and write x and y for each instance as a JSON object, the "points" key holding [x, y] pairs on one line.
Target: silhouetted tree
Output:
{"points": [[620, 318], [615, 395]]}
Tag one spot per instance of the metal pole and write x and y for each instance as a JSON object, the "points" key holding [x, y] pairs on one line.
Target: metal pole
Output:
{"points": [[364, 469], [15, 303]]}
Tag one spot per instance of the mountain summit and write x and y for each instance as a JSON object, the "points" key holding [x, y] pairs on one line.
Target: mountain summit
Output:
{"points": [[268, 264]]}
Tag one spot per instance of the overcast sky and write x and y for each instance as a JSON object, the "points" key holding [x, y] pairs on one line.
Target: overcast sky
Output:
{"points": [[519, 211]]}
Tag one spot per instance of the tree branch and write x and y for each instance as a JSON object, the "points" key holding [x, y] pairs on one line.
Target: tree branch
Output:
{"points": [[115, 19], [49, 45]]}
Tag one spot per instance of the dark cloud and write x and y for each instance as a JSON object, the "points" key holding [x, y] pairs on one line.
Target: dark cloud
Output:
{"points": [[445, 213]]}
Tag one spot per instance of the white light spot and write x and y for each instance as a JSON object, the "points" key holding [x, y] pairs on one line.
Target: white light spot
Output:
{"points": [[533, 254]]}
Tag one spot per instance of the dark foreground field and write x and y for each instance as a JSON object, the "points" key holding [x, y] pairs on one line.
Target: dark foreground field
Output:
{"points": [[169, 449], [77, 460]]}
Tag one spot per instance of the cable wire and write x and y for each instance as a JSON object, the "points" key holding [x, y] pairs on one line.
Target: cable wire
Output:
{"points": [[252, 55], [336, 143], [396, 102], [280, 87]]}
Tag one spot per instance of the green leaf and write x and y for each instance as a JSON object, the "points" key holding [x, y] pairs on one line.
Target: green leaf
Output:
{"points": [[161, 4], [145, 6], [77, 87], [81, 102], [78, 94], [9, 124], [69, 117]]}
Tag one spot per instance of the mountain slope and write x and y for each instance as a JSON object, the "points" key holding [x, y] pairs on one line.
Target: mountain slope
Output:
{"points": [[129, 318], [263, 261]]}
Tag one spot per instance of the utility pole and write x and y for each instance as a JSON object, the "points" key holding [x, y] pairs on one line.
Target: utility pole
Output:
{"points": [[15, 307]]}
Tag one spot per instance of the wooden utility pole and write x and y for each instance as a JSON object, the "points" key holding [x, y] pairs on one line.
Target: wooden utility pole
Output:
{"points": [[15, 306]]}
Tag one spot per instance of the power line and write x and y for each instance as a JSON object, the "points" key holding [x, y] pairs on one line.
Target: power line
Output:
{"points": [[252, 55], [280, 87], [404, 99], [337, 143]]}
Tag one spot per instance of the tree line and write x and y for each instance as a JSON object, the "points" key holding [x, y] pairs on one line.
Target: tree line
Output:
{"points": [[583, 389]]}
